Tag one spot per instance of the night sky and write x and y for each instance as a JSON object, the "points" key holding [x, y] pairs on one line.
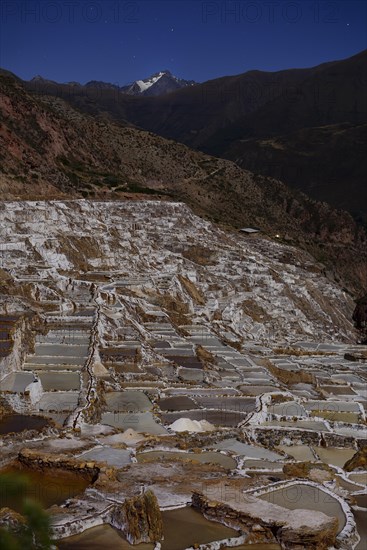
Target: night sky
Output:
{"points": [[121, 41]]}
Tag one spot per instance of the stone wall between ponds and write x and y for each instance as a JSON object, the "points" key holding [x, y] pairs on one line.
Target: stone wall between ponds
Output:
{"points": [[272, 436], [293, 529], [41, 461]]}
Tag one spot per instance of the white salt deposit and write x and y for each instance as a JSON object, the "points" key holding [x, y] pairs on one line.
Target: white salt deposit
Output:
{"points": [[188, 425]]}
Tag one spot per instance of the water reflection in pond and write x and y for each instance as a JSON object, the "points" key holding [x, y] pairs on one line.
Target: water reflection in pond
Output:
{"points": [[14, 423], [46, 487]]}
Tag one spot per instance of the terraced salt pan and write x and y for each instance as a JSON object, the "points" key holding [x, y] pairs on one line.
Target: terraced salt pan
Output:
{"points": [[60, 360], [63, 350], [216, 417], [111, 456], [194, 375], [302, 453], [58, 401], [187, 425], [127, 401], [299, 424], [16, 382], [201, 391], [333, 455], [179, 403], [307, 497], [205, 457], [140, 422], [237, 404], [59, 381], [288, 408], [243, 449]]}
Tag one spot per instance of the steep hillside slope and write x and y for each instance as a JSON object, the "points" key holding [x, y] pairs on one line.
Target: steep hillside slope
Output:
{"points": [[228, 116], [49, 150]]}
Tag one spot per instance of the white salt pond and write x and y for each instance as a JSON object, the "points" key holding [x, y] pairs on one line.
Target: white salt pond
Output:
{"points": [[58, 401], [298, 452], [215, 417], [127, 401], [288, 408], [140, 422], [65, 350], [16, 382], [243, 449], [58, 381], [307, 497], [111, 456], [237, 404]]}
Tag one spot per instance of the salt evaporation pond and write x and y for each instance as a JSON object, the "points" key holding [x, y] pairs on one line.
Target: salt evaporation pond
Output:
{"points": [[179, 403], [243, 449], [127, 401], [205, 457], [183, 528], [60, 381], [306, 497], [47, 488], [298, 452], [334, 455], [113, 457], [14, 423], [215, 417], [140, 422]]}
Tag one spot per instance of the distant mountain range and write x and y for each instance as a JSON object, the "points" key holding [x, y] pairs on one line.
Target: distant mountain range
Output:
{"points": [[159, 83], [307, 127]]}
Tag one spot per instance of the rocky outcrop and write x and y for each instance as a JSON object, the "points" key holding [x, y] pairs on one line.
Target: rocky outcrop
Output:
{"points": [[308, 470], [358, 461], [139, 518], [293, 529]]}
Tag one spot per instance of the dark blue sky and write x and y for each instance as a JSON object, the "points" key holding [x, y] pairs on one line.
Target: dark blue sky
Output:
{"points": [[120, 41]]}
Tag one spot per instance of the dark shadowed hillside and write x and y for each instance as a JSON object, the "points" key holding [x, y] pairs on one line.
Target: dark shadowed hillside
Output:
{"points": [[303, 125]]}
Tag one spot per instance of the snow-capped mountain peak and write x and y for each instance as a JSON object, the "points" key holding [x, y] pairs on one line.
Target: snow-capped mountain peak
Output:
{"points": [[159, 83]]}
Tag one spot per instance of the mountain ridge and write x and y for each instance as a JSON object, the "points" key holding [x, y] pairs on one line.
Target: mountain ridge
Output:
{"points": [[231, 116], [51, 150]]}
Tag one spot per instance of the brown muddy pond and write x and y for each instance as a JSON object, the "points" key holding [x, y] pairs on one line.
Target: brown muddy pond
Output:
{"points": [[15, 423], [47, 488], [361, 520], [179, 403], [334, 455], [183, 528]]}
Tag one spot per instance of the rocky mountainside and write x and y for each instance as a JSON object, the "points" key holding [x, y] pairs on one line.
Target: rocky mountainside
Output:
{"points": [[307, 126], [50, 150]]}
